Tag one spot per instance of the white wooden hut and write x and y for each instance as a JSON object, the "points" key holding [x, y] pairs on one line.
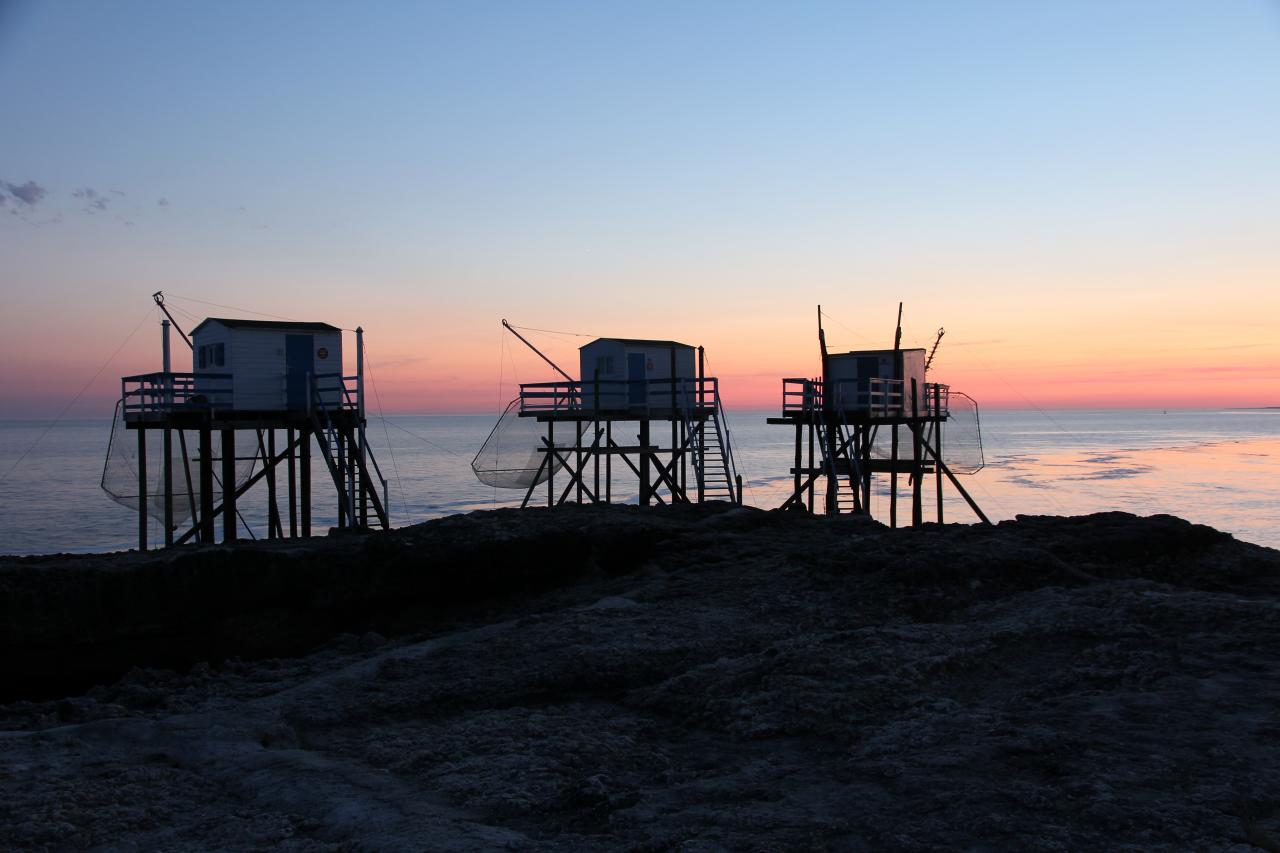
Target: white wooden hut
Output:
{"points": [[627, 368], [272, 365], [876, 381]]}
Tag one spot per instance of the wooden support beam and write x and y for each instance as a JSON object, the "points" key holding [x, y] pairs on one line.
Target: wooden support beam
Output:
{"points": [[893, 478], [186, 470], [551, 466], [273, 510], [304, 478], [796, 478], [206, 485], [168, 486], [810, 490], [917, 477], [228, 485], [937, 432], [293, 483], [577, 473], [645, 486], [267, 466], [537, 476], [833, 481], [142, 489]]}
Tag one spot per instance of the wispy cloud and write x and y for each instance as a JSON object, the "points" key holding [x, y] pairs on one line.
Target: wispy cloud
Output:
{"points": [[27, 200], [29, 193], [97, 201]]}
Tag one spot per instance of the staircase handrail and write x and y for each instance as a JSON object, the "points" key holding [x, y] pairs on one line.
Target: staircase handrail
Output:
{"points": [[731, 465]]}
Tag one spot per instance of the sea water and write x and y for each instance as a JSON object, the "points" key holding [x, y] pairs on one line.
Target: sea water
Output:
{"points": [[1215, 467]]}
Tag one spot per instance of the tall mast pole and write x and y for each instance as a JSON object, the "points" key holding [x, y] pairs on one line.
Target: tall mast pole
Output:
{"points": [[822, 342], [897, 335], [165, 360]]}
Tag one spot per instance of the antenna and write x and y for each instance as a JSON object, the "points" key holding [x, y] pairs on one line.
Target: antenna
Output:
{"points": [[158, 296], [897, 335], [555, 366], [928, 361]]}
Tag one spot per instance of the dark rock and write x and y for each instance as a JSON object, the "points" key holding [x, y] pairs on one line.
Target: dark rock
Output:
{"points": [[692, 678]]}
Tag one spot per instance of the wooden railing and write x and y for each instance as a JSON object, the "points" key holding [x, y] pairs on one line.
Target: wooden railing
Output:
{"points": [[882, 398], [619, 395], [151, 393], [160, 393]]}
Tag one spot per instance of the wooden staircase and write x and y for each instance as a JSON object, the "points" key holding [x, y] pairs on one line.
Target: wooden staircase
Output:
{"points": [[713, 460]]}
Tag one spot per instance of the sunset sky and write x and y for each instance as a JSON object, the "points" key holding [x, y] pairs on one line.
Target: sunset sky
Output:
{"points": [[1086, 195]]}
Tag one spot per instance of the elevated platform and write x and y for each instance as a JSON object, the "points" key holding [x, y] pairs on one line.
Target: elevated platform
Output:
{"points": [[695, 465], [199, 481], [838, 426], [686, 400], [873, 401], [697, 414], [206, 401]]}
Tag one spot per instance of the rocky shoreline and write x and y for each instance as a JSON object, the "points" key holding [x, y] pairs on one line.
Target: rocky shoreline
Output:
{"points": [[695, 677]]}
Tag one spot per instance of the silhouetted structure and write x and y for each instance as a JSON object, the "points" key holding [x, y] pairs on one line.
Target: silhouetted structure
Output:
{"points": [[841, 417], [659, 386], [280, 383]]}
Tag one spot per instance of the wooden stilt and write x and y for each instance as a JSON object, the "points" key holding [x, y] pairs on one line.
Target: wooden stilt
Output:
{"points": [[304, 478], [273, 510], [833, 477], [343, 487], [228, 485], [937, 434], [291, 437], [893, 478], [206, 486], [578, 457], [186, 471], [917, 460], [795, 477], [810, 490], [142, 489], [645, 485], [168, 487], [551, 465]]}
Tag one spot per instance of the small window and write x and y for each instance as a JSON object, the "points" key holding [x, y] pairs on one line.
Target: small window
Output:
{"points": [[220, 355], [604, 364], [203, 354]]}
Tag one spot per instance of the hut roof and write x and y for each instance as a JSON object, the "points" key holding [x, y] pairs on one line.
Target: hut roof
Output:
{"points": [[232, 323], [640, 342]]}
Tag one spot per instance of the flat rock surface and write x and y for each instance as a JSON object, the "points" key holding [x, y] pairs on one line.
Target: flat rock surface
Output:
{"points": [[702, 679]]}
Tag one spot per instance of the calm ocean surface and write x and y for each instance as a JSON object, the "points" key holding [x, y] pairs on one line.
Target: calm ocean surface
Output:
{"points": [[1219, 467]]}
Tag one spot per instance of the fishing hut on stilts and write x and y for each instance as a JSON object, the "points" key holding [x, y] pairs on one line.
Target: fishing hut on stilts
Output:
{"points": [[259, 396], [871, 413], [642, 408]]}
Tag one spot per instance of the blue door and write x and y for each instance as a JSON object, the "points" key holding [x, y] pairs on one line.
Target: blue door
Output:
{"points": [[299, 363], [868, 369], [637, 390]]}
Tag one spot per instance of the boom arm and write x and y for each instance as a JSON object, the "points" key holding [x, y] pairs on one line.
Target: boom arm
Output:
{"points": [[513, 331], [158, 296]]}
